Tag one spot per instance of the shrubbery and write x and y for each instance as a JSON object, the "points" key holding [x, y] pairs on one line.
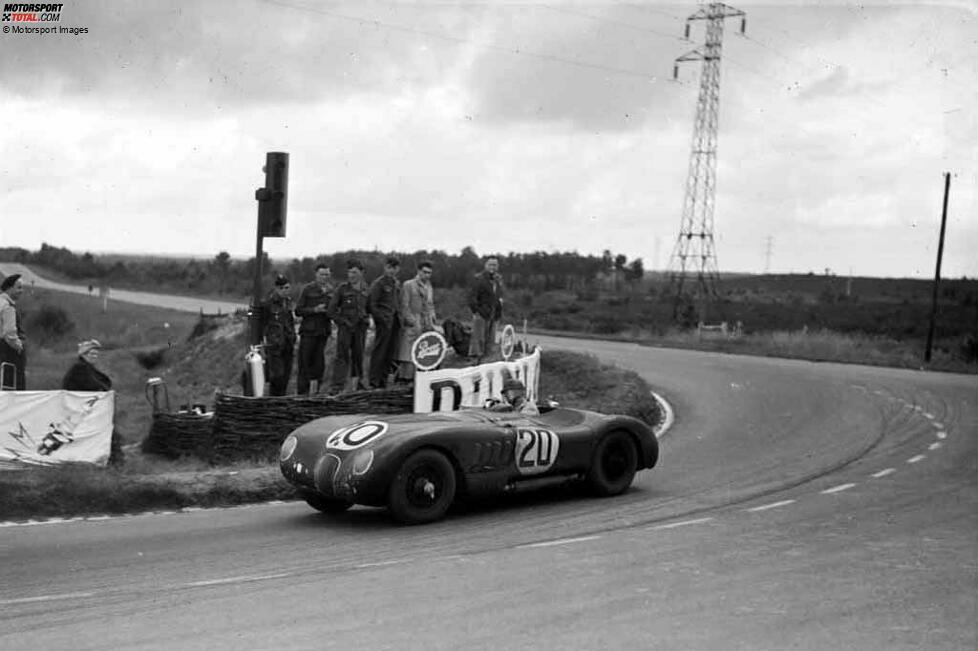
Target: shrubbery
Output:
{"points": [[49, 324]]}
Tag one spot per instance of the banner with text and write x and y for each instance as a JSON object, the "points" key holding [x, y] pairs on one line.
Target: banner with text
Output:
{"points": [[451, 388], [52, 427]]}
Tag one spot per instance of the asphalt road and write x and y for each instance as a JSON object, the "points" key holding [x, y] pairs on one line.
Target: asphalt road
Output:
{"points": [[796, 505], [185, 303]]}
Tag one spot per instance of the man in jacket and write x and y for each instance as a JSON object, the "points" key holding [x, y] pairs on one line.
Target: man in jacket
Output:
{"points": [[486, 303], [348, 308], [314, 330], [417, 316], [278, 329], [383, 304], [13, 356]]}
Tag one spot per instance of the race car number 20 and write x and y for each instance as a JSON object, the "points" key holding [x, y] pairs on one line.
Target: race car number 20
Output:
{"points": [[536, 450]]}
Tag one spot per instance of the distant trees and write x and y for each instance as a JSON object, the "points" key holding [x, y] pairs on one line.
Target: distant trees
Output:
{"points": [[537, 271]]}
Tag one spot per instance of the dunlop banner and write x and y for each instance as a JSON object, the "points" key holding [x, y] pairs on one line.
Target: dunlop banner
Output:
{"points": [[451, 388]]}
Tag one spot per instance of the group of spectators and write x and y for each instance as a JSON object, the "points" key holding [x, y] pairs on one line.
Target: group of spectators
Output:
{"points": [[400, 314]]}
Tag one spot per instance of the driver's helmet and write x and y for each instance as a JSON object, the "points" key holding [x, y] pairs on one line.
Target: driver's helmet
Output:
{"points": [[514, 385]]}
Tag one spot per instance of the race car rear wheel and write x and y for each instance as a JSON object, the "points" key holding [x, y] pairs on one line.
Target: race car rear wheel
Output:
{"points": [[614, 465], [325, 504], [423, 488]]}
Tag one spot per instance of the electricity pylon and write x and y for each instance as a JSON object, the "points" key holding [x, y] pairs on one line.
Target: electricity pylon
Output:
{"points": [[695, 250]]}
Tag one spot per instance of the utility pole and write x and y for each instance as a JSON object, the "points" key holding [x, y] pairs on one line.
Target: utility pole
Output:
{"points": [[937, 271], [694, 252]]}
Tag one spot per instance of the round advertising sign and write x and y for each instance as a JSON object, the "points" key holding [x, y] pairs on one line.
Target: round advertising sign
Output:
{"points": [[429, 350], [507, 343]]}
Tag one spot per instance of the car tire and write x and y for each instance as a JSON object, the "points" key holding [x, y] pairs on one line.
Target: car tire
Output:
{"points": [[423, 488], [614, 465], [326, 504]]}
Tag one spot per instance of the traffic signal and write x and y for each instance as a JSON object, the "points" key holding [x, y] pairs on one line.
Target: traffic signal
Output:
{"points": [[273, 198]]}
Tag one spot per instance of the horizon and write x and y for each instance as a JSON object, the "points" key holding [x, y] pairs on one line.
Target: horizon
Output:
{"points": [[646, 271]]}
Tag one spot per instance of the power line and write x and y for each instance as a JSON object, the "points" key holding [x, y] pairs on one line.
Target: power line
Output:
{"points": [[457, 39], [616, 23]]}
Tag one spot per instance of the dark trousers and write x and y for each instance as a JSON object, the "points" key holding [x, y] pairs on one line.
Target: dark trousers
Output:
{"points": [[349, 354], [312, 361], [386, 336], [278, 367], [15, 377]]}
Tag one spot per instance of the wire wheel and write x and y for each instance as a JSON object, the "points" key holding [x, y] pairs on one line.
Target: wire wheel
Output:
{"points": [[614, 465], [423, 488]]}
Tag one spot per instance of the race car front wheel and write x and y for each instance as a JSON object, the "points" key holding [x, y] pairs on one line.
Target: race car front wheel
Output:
{"points": [[614, 464], [423, 488]]}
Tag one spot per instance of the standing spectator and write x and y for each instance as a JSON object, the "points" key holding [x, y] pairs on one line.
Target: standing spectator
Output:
{"points": [[383, 304], [12, 335], [417, 315], [486, 303], [84, 376], [278, 329], [348, 308], [314, 330]]}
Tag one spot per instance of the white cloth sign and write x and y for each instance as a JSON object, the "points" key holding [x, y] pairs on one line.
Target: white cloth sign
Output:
{"points": [[52, 427], [451, 388]]}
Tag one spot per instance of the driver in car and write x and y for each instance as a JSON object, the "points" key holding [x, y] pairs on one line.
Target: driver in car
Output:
{"points": [[514, 399]]}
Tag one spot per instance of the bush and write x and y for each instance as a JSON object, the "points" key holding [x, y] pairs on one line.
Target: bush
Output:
{"points": [[49, 324]]}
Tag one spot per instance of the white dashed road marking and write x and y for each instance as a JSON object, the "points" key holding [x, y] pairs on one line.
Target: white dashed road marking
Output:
{"points": [[673, 525], [771, 506], [235, 579], [884, 473], [837, 489], [941, 435], [562, 541], [379, 564], [49, 597], [917, 458], [933, 446]]}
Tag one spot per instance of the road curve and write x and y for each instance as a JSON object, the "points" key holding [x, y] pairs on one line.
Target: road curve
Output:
{"points": [[796, 505], [169, 301]]}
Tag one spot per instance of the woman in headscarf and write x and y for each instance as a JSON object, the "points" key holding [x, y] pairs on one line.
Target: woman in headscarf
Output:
{"points": [[83, 376]]}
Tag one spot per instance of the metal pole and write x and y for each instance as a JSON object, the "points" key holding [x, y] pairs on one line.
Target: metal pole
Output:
{"points": [[254, 316], [937, 272]]}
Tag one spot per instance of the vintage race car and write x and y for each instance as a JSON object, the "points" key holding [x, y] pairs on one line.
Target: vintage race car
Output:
{"points": [[418, 464]]}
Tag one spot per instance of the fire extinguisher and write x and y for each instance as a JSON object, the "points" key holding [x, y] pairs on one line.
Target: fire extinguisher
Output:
{"points": [[255, 372]]}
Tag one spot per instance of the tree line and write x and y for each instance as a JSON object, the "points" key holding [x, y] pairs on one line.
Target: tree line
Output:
{"points": [[538, 271]]}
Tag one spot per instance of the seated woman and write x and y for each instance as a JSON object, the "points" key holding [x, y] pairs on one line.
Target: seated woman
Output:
{"points": [[83, 376], [514, 399]]}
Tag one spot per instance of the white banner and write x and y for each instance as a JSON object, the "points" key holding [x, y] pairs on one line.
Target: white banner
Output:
{"points": [[51, 427], [451, 388]]}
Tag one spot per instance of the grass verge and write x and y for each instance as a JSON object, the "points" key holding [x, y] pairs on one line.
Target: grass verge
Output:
{"points": [[147, 483]]}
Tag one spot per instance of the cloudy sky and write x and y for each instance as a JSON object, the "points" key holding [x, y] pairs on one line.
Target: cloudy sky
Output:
{"points": [[505, 126]]}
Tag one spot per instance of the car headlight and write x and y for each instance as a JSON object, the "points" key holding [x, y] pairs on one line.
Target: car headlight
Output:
{"points": [[288, 448], [362, 461]]}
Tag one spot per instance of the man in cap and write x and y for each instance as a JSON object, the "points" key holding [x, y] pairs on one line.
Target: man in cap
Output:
{"points": [[383, 304], [278, 329], [13, 356], [314, 330], [348, 308]]}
